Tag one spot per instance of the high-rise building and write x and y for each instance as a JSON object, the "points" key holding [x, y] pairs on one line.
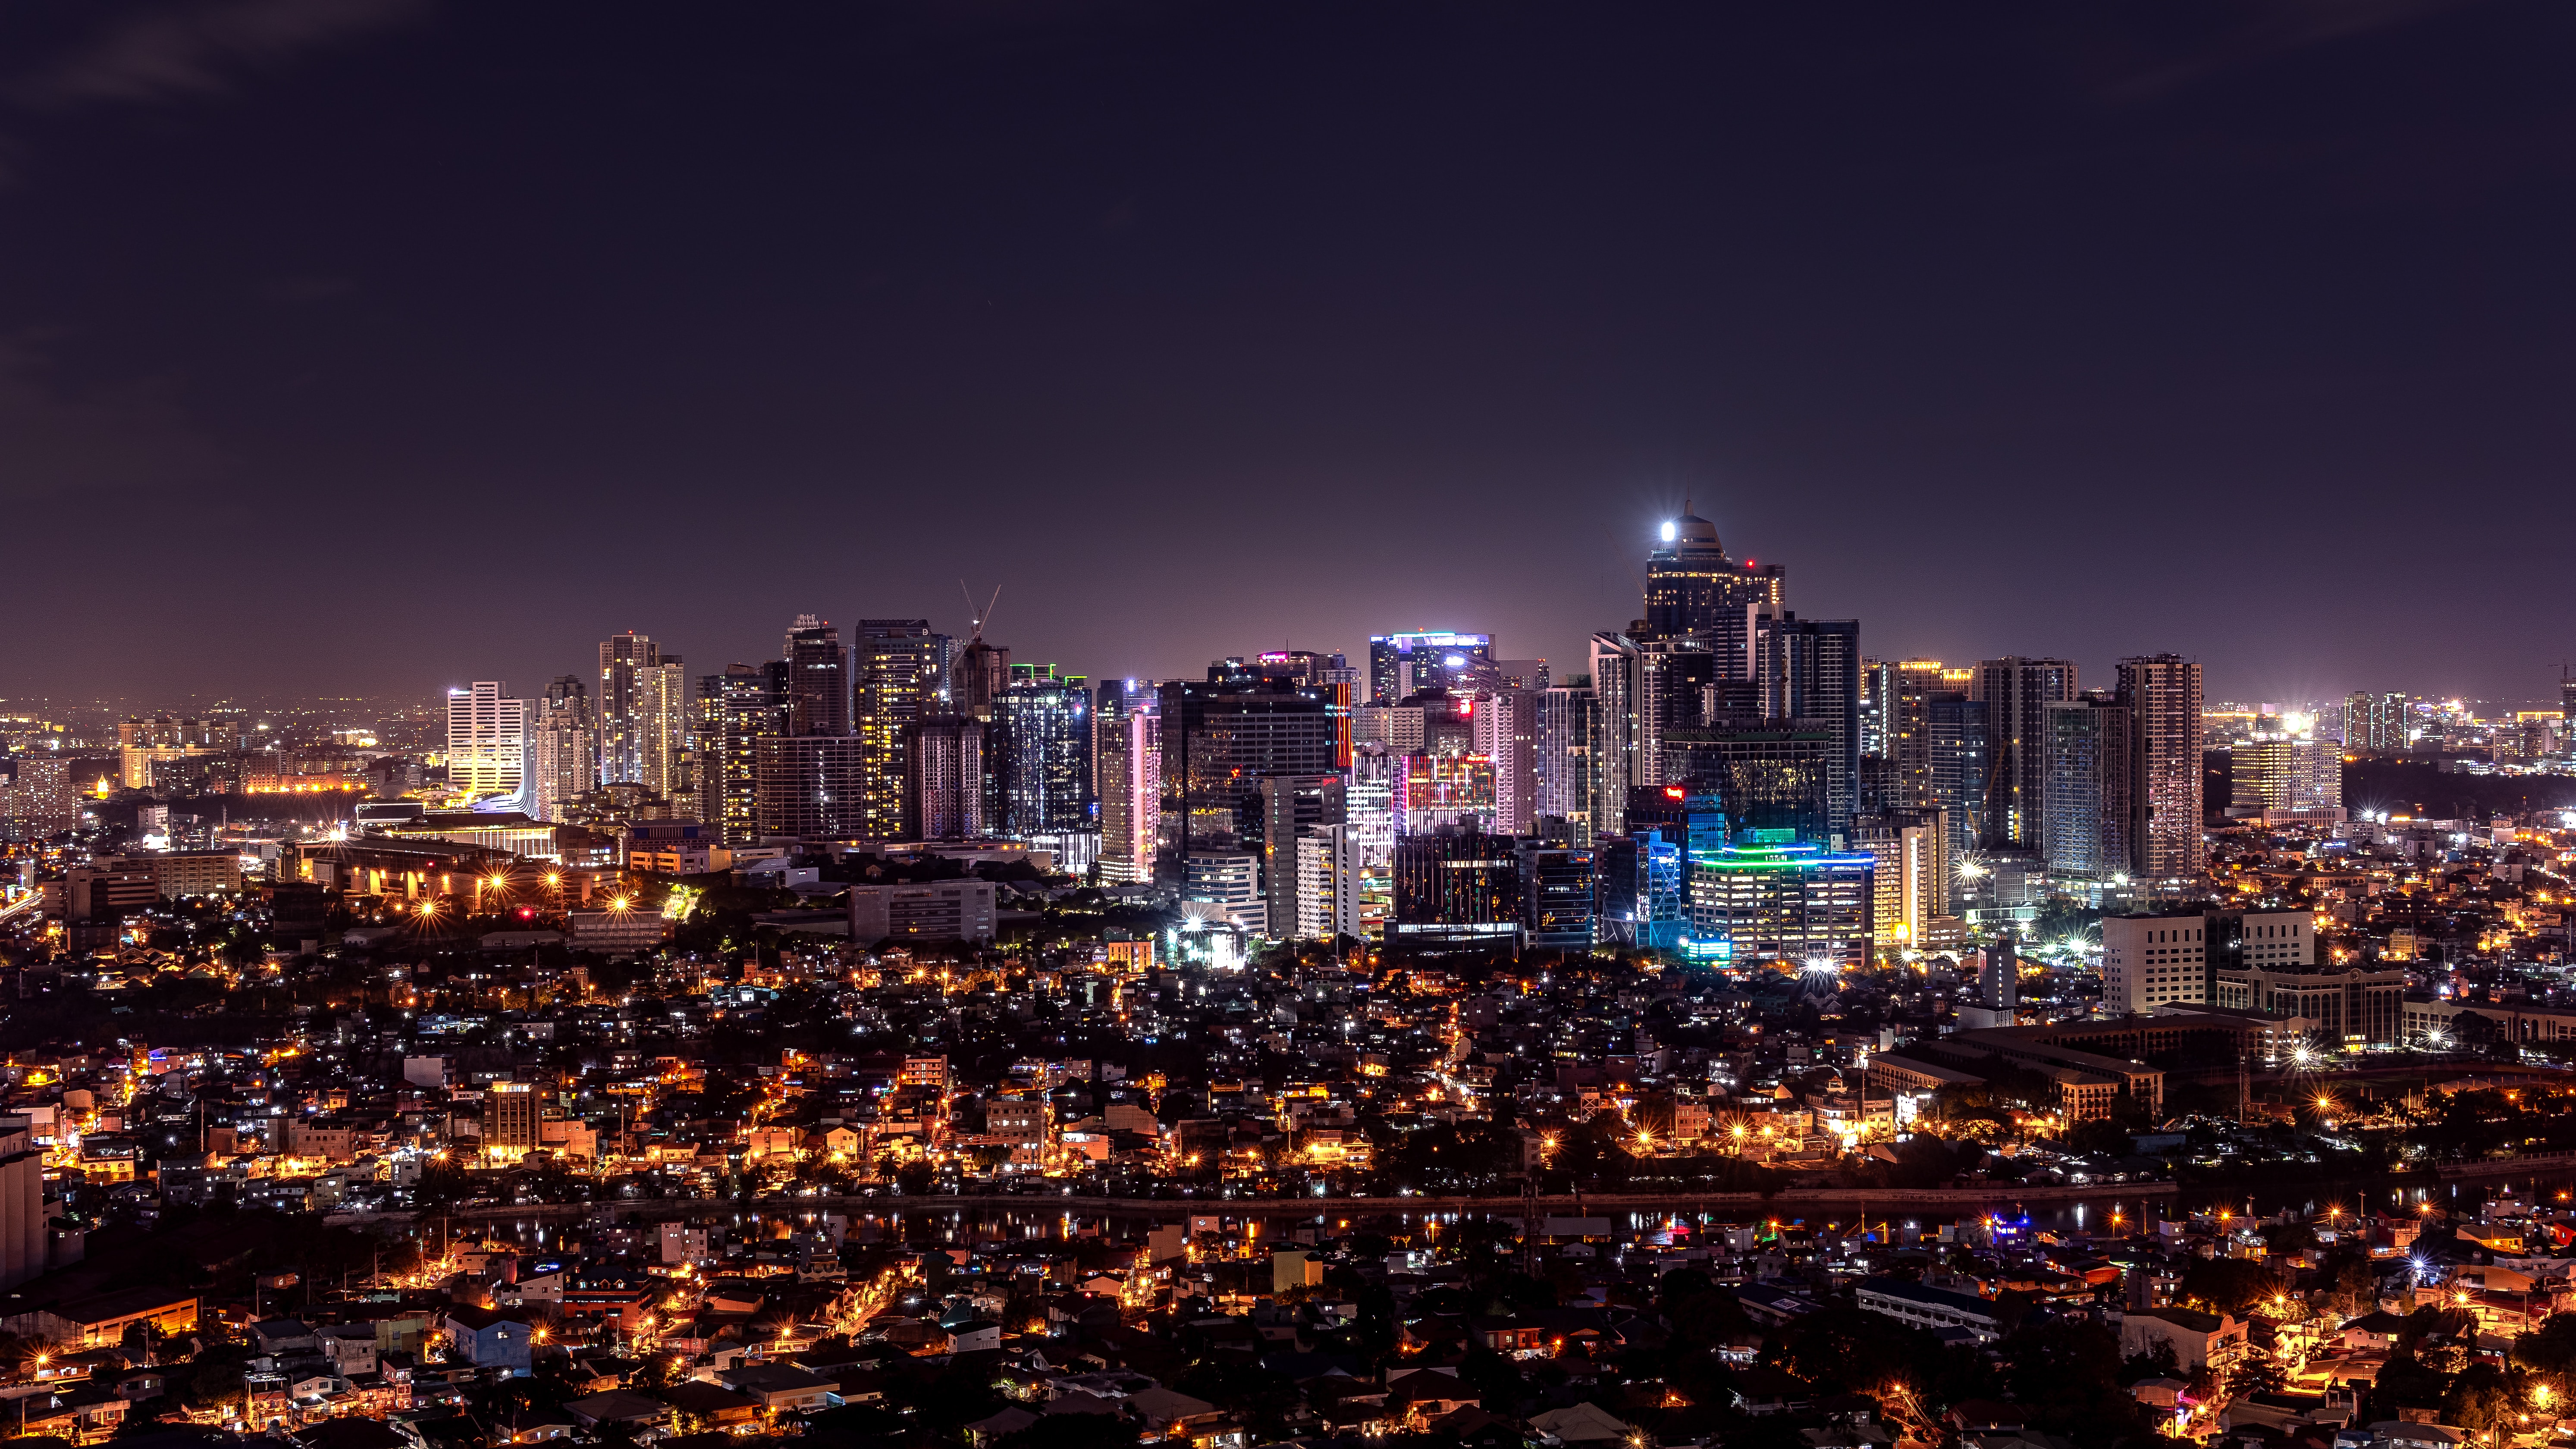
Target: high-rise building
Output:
{"points": [[1439, 792], [1327, 883], [944, 779], [979, 676], [1037, 754], [2085, 806], [1565, 733], [1613, 658], [1896, 729], [1231, 880], [1220, 737], [1962, 777], [623, 662], [145, 747], [487, 742], [737, 709], [2163, 694], [1910, 874], [1769, 775], [563, 747], [1769, 898], [2017, 693], [1456, 886], [36, 796], [666, 718], [2376, 724], [1131, 793], [1403, 664], [1672, 680], [808, 787], [818, 678], [2285, 772], [1808, 671], [1505, 730], [1559, 890], [1289, 804], [900, 677], [1694, 590]]}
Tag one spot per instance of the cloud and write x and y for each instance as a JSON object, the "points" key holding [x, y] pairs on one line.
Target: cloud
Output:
{"points": [[55, 440], [177, 52]]}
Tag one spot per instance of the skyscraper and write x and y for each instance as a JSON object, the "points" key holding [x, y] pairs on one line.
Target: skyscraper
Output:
{"points": [[737, 709], [1565, 733], [2162, 692], [1505, 727], [2376, 724], [1131, 794], [1220, 737], [1291, 805], [1898, 731], [1962, 775], [807, 787], [665, 734], [944, 779], [563, 745], [1910, 880], [36, 795], [1613, 658], [1327, 884], [901, 677], [1038, 753], [487, 743], [1694, 590], [2285, 772], [2085, 807], [818, 679], [1809, 673], [1400, 664], [622, 661], [2017, 693], [1765, 899]]}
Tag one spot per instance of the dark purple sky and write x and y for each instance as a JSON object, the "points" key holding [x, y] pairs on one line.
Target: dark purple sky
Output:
{"points": [[377, 345]]}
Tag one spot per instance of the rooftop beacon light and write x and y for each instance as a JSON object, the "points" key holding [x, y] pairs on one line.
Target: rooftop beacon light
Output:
{"points": [[1671, 530]]}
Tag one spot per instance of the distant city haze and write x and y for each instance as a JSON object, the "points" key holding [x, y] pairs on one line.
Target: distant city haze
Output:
{"points": [[435, 344]]}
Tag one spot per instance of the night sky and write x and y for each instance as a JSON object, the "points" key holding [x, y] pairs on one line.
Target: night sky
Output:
{"points": [[372, 346]]}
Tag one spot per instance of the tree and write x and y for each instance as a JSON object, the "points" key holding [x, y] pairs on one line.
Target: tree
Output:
{"points": [[2228, 1285]]}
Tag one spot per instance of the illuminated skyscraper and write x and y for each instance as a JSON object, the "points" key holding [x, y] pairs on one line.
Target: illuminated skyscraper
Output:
{"points": [[807, 786], [2086, 811], [818, 679], [2285, 772], [1400, 664], [1614, 730], [1962, 780], [1505, 730], [2017, 693], [487, 743], [1768, 899], [36, 795], [1291, 805], [1038, 754], [1808, 672], [563, 745], [1131, 794], [1565, 735], [2376, 724], [623, 661], [1694, 590], [2163, 694], [901, 671], [1220, 737], [1910, 877], [664, 721], [736, 710]]}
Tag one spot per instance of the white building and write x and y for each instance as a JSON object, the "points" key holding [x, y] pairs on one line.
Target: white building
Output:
{"points": [[487, 742], [1505, 728], [1328, 882], [1230, 879]]}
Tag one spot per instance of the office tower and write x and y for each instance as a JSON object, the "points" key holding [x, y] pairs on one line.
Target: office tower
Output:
{"points": [[1401, 664], [1808, 671], [1131, 795], [1220, 737], [1368, 802], [1037, 754], [1565, 734], [1455, 887], [944, 779], [2376, 724], [1231, 880], [1327, 895], [623, 661], [1769, 775], [1693, 590], [487, 742], [808, 787], [818, 679], [1613, 658], [563, 745], [2085, 807], [1287, 805], [2017, 693], [1909, 874], [1505, 731], [2283, 772], [1767, 898], [36, 796], [737, 709], [899, 672], [1559, 888], [1670, 679], [2162, 692]]}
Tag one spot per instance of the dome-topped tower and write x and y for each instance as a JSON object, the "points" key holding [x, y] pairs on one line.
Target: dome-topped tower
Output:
{"points": [[1694, 590]]}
